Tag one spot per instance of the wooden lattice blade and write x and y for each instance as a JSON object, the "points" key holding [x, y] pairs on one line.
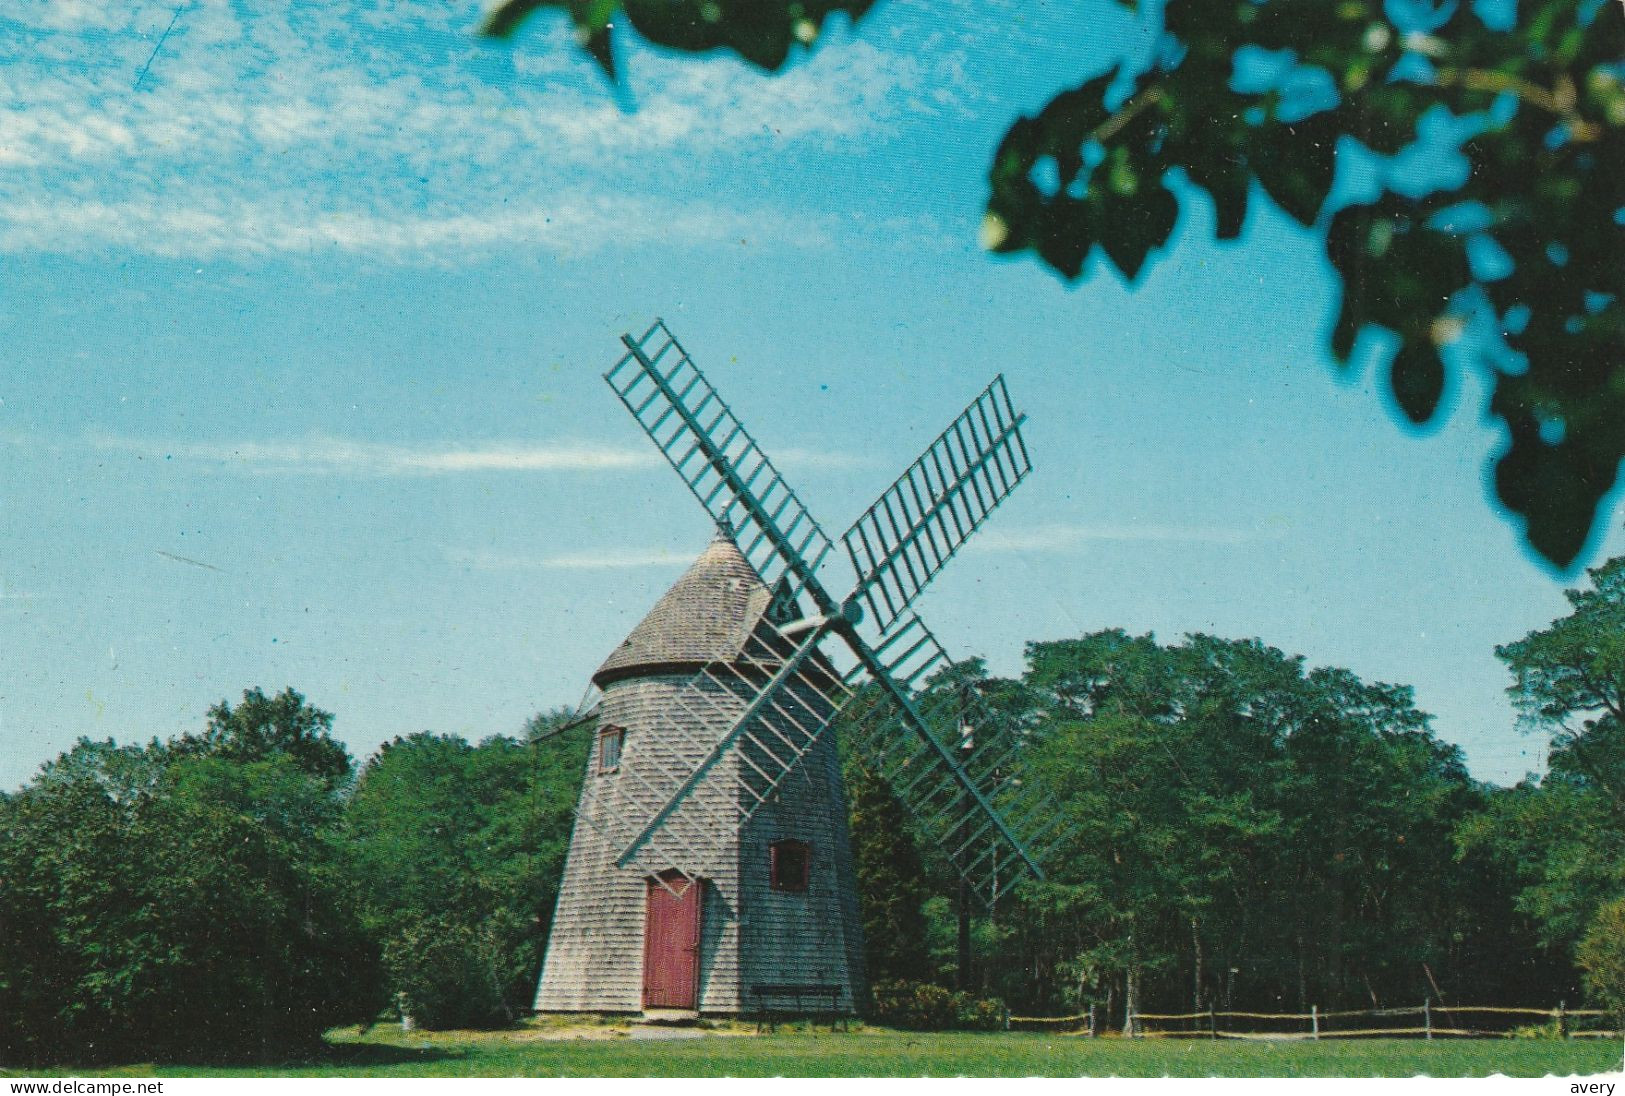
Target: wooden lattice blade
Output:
{"points": [[698, 433], [900, 543], [969, 795]]}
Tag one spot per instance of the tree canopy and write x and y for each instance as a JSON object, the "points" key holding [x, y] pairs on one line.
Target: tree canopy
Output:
{"points": [[1247, 828], [457, 850], [182, 900], [1513, 268], [1561, 834]]}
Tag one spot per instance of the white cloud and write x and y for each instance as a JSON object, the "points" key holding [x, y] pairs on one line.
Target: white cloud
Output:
{"points": [[389, 130], [1064, 538], [207, 224], [820, 459], [337, 456]]}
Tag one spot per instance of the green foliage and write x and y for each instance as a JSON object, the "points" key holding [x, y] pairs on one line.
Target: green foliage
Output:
{"points": [[457, 851], [1601, 956], [981, 1013], [1562, 837], [447, 970], [922, 1006], [179, 901], [1562, 854], [761, 31], [891, 881], [1569, 679], [1243, 829], [262, 727], [1511, 267]]}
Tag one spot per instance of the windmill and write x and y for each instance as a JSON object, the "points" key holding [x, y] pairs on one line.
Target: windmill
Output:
{"points": [[710, 867]]}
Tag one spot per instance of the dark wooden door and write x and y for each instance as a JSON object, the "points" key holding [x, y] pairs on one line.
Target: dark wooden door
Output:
{"points": [[671, 943]]}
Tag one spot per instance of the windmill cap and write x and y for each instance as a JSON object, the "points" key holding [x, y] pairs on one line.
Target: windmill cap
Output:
{"points": [[707, 616]]}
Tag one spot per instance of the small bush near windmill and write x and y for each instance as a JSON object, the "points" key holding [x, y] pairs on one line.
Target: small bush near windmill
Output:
{"points": [[922, 1006], [446, 974]]}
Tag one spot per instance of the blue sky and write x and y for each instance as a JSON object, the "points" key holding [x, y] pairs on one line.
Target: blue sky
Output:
{"points": [[306, 315]]}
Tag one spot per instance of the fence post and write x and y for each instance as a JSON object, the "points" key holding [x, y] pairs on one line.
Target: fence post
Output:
{"points": [[1092, 1029], [1562, 1020], [1212, 1026], [1314, 1021], [1427, 1016]]}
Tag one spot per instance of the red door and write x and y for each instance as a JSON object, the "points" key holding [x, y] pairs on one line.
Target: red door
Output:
{"points": [[671, 943]]}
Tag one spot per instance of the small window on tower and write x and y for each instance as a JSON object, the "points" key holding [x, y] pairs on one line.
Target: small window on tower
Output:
{"points": [[788, 864], [610, 739]]}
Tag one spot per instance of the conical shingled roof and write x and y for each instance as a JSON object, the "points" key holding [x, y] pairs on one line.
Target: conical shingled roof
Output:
{"points": [[707, 616]]}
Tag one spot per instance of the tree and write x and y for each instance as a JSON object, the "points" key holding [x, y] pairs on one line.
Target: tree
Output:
{"points": [[1569, 679], [1512, 268], [1231, 811], [1559, 856], [1562, 835], [284, 725], [891, 882], [457, 850], [1602, 956], [176, 902]]}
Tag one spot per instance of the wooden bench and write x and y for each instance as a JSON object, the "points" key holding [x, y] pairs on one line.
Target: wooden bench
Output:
{"points": [[770, 1014]]}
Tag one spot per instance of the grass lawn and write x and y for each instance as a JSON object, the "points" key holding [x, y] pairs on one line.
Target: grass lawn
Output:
{"points": [[552, 1051]]}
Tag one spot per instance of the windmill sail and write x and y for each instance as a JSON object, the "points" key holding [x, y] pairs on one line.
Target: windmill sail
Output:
{"points": [[719, 460], [784, 697], [957, 767], [920, 521], [791, 696]]}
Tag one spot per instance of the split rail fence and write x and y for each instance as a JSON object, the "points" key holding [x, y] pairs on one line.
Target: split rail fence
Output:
{"points": [[1428, 1021]]}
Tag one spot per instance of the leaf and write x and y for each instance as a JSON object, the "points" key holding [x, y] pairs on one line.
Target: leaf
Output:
{"points": [[1226, 183], [1417, 379], [763, 32], [1296, 163], [1130, 229], [504, 20], [1555, 482]]}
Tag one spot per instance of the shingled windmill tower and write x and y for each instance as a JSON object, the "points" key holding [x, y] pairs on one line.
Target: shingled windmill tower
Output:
{"points": [[710, 867]]}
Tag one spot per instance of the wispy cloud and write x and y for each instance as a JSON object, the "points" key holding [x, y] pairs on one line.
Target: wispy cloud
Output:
{"points": [[389, 130], [200, 222], [1065, 538], [609, 559], [337, 456], [820, 459]]}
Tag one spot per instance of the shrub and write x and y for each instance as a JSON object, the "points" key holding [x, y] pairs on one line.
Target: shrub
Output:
{"points": [[1601, 955], [922, 1006], [446, 974], [981, 1014]]}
